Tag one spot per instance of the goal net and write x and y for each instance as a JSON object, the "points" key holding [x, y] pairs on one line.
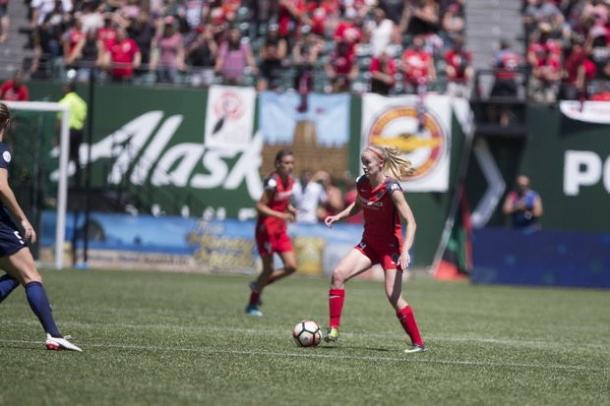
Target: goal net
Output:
{"points": [[40, 144]]}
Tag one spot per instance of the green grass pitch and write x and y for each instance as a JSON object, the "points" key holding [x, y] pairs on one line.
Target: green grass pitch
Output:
{"points": [[159, 338]]}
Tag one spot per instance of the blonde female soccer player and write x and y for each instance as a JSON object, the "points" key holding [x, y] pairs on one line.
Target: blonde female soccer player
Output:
{"points": [[381, 198], [15, 256]]}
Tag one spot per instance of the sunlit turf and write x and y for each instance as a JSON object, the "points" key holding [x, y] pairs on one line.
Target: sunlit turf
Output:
{"points": [[160, 338]]}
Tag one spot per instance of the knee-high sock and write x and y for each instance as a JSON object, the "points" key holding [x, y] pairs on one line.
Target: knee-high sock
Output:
{"points": [[336, 297], [408, 322], [254, 298], [39, 303], [7, 285]]}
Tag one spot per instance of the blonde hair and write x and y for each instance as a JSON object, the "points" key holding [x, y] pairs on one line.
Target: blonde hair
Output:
{"points": [[394, 164]]}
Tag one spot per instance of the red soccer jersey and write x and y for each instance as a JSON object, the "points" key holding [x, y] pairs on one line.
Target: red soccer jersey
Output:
{"points": [[416, 65], [281, 193], [382, 223], [122, 54]]}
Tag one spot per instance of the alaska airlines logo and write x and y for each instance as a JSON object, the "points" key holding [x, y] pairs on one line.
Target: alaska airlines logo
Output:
{"points": [[421, 139], [141, 151]]}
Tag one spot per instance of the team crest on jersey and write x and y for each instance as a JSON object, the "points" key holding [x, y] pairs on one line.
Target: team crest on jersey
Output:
{"points": [[422, 140], [6, 156]]}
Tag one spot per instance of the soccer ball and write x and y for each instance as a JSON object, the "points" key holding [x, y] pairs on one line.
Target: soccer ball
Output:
{"points": [[307, 333]]}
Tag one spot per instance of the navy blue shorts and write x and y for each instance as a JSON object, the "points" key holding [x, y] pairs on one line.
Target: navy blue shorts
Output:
{"points": [[11, 239]]}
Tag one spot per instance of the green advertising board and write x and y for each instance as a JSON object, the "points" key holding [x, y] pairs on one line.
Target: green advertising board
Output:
{"points": [[156, 148]]}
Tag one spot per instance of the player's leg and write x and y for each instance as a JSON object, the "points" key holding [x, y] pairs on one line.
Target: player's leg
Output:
{"points": [[404, 312], [8, 283], [289, 259], [351, 265], [21, 266], [256, 288], [283, 246]]}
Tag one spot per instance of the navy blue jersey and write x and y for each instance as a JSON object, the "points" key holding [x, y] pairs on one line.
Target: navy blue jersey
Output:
{"points": [[5, 160], [10, 238]]}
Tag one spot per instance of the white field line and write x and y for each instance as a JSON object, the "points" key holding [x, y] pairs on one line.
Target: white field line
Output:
{"points": [[266, 332], [310, 354]]}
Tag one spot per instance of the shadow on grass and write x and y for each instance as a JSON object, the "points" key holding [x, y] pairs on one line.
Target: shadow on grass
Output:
{"points": [[354, 347], [24, 347]]}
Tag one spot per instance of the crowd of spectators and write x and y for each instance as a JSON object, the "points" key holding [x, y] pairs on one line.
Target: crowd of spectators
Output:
{"points": [[387, 46], [568, 49]]}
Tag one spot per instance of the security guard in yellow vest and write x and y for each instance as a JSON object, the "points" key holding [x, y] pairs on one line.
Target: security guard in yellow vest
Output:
{"points": [[78, 115]]}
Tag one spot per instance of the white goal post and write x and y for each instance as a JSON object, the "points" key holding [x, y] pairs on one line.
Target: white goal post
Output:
{"points": [[62, 184]]}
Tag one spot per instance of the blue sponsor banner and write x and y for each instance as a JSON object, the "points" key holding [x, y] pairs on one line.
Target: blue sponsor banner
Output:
{"points": [[189, 244], [546, 258]]}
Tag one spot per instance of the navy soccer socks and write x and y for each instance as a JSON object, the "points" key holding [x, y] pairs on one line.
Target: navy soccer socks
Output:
{"points": [[7, 285], [37, 298]]}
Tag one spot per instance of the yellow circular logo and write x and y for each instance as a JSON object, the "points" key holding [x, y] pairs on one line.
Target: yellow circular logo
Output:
{"points": [[419, 136]]}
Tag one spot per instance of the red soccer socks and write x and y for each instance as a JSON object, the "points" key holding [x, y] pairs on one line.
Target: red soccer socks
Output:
{"points": [[408, 322]]}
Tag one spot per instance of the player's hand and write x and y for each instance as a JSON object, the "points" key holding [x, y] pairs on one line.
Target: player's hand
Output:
{"points": [[28, 231], [329, 220], [290, 217], [405, 261]]}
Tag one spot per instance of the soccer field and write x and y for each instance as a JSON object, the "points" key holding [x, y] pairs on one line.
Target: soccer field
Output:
{"points": [[159, 338]]}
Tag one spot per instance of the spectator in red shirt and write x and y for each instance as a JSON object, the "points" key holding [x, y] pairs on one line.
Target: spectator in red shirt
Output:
{"points": [[323, 15], [342, 68], [14, 90], [383, 71], [418, 67], [458, 69], [122, 57], [291, 14], [578, 71], [107, 34], [73, 37], [543, 85]]}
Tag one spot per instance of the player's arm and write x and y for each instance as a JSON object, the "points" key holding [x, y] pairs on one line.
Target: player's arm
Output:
{"points": [[262, 207], [407, 216], [10, 201], [349, 211]]}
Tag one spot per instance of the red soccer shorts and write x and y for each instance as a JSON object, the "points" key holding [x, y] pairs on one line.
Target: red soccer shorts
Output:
{"points": [[268, 243], [385, 254]]}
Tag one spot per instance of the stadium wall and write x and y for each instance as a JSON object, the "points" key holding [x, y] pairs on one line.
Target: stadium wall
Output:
{"points": [[159, 149]]}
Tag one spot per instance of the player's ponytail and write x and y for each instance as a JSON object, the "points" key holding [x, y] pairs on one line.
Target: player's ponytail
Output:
{"points": [[5, 119], [394, 164]]}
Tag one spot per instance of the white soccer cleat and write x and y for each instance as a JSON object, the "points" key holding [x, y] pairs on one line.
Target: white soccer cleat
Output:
{"points": [[415, 349], [58, 344]]}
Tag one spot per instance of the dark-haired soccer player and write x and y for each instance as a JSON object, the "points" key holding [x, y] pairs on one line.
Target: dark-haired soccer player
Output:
{"points": [[15, 257], [381, 198], [274, 211]]}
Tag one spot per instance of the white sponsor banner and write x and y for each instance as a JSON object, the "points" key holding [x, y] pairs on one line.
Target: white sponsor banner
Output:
{"points": [[229, 117], [421, 129], [589, 111]]}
